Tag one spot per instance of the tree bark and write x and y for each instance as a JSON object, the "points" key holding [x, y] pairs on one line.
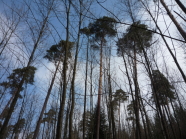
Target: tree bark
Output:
{"points": [[99, 91], [45, 103], [181, 6], [62, 104], [136, 102], [85, 96], [180, 29], [169, 49], [14, 101], [73, 78]]}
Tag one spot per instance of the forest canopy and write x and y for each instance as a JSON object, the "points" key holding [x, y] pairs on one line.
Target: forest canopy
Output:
{"points": [[90, 69]]}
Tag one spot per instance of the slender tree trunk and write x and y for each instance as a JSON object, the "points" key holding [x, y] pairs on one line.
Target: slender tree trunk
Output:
{"points": [[181, 5], [14, 101], [170, 122], [108, 88], [28, 121], [43, 131], [66, 121], [169, 49], [113, 122], [99, 91], [91, 93], [20, 115], [176, 118], [130, 83], [3, 44], [55, 123], [109, 117], [136, 102], [147, 119], [180, 29], [62, 104], [74, 76], [85, 96], [45, 103], [119, 126], [111, 109], [155, 95], [7, 106]]}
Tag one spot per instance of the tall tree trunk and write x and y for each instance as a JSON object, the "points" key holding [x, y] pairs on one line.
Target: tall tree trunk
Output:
{"points": [[119, 122], [7, 36], [181, 5], [99, 91], [7, 106], [169, 49], [155, 94], [129, 80], [143, 121], [91, 92], [66, 121], [180, 29], [176, 119], [74, 76], [111, 109], [112, 124], [170, 122], [146, 118], [62, 104], [85, 96], [45, 103], [108, 88], [19, 88], [20, 115], [136, 102], [159, 112]]}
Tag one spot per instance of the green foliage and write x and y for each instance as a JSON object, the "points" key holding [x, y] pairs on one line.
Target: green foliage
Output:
{"points": [[8, 131], [85, 31], [103, 131], [179, 115], [16, 77], [90, 124], [4, 114], [18, 74], [14, 129], [102, 27], [120, 96], [130, 109], [57, 52], [156, 128], [19, 126], [50, 116], [137, 36], [164, 89]]}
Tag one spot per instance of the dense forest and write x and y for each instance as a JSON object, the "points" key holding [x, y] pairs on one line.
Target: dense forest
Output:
{"points": [[92, 69]]}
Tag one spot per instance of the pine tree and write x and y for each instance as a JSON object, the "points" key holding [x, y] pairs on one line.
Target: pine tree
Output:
{"points": [[56, 55], [163, 87], [13, 84], [135, 40], [91, 125], [100, 29]]}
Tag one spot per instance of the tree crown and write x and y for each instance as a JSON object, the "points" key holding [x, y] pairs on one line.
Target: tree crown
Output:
{"points": [[101, 28], [56, 52], [163, 88], [137, 36]]}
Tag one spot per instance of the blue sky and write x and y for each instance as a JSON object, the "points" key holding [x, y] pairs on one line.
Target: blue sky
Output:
{"points": [[43, 74]]}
